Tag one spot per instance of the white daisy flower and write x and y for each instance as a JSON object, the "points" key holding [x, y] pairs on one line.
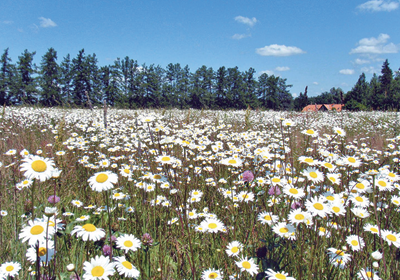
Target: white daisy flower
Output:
{"points": [[102, 181], [9, 269], [128, 242], [247, 265], [88, 232], [35, 231], [234, 248], [99, 268], [37, 167], [214, 274], [126, 268]]}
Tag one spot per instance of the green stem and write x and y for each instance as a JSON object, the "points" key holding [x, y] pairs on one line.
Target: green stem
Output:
{"points": [[109, 225]]}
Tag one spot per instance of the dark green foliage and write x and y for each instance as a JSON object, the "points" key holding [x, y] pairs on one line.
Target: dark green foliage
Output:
{"points": [[301, 101], [25, 84], [49, 80], [126, 84], [7, 73], [356, 98]]}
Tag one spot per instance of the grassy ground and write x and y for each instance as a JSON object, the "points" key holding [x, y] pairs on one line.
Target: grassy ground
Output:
{"points": [[177, 183]]}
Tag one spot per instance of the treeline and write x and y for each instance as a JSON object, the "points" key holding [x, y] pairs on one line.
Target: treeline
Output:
{"points": [[380, 93], [127, 84], [79, 81]]}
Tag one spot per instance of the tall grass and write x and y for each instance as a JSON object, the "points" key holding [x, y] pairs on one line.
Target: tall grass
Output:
{"points": [[157, 199]]}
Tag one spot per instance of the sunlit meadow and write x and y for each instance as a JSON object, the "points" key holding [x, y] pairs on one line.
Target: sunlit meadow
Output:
{"points": [[172, 194]]}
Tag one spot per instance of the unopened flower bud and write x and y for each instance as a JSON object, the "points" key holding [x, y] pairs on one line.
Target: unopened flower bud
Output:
{"points": [[71, 267], [376, 255]]}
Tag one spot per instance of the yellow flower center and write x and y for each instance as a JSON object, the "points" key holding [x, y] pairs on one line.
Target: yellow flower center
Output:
{"points": [[213, 275], [127, 171], [333, 179], [101, 178], [127, 264], [267, 217], [354, 242], [382, 183], [299, 217], [318, 206], [128, 243], [42, 251], [331, 198], [234, 249], [97, 271], [309, 160], [89, 227], [293, 191], [284, 230], [328, 165], [313, 174], [157, 177], [165, 159], [212, 225], [232, 161], [369, 274], [374, 230], [39, 166], [360, 186], [391, 237], [351, 159], [246, 265], [280, 276], [35, 230], [339, 132], [339, 253], [244, 196], [359, 199], [310, 131], [116, 194], [322, 229], [276, 180], [336, 209], [9, 268]]}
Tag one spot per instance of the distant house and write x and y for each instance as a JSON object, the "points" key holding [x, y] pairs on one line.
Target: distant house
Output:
{"points": [[323, 107]]}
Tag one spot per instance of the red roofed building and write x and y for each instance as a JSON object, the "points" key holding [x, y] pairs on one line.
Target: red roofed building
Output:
{"points": [[323, 107]]}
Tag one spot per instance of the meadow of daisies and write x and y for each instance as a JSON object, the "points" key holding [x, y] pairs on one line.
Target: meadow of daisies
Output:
{"points": [[170, 194]]}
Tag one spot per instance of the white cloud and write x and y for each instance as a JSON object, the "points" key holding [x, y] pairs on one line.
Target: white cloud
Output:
{"points": [[248, 21], [240, 36], [34, 28], [370, 70], [379, 6], [268, 72], [361, 61], [382, 38], [282, 68], [375, 45], [279, 50], [46, 22], [347, 71], [315, 83], [7, 22]]}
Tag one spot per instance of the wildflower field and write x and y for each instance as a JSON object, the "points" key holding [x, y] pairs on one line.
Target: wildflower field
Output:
{"points": [[190, 194]]}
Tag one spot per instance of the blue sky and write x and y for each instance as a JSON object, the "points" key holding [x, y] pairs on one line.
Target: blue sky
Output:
{"points": [[319, 44]]}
